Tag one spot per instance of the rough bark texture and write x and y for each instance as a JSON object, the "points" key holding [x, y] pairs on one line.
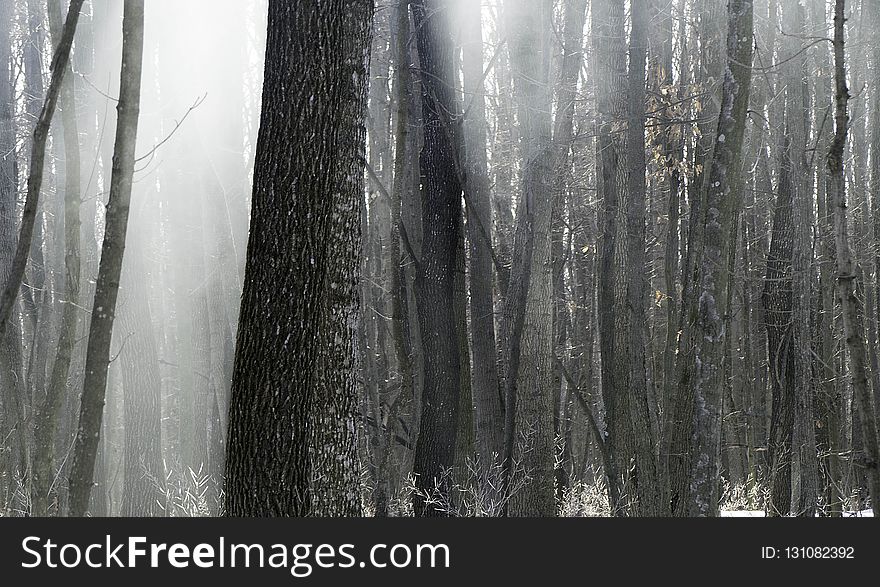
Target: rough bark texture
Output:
{"points": [[10, 416], [604, 48], [804, 466], [847, 273], [107, 283], [488, 414], [697, 434], [574, 18], [291, 440], [144, 473], [529, 436], [609, 45], [434, 287], [634, 436]]}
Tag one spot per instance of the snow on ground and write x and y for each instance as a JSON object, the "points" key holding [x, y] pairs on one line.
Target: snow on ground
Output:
{"points": [[760, 514]]}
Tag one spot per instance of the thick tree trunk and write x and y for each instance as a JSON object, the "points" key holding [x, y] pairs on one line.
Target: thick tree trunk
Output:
{"points": [[435, 279], [609, 58], [635, 436], [144, 477], [110, 269], [291, 445], [804, 466]]}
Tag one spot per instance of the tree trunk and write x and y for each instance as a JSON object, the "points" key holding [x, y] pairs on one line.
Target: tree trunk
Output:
{"points": [[527, 321], [488, 415], [107, 283], [10, 339], [291, 445], [434, 287], [706, 319], [144, 471], [46, 420], [853, 316]]}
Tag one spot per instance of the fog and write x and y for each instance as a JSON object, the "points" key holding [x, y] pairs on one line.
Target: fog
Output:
{"points": [[187, 234]]}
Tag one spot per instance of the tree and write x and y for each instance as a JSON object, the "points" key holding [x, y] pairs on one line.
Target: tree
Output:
{"points": [[38, 156], [489, 414], [527, 335], [713, 236], [291, 445], [10, 352], [441, 222], [48, 415], [853, 315], [110, 269]]}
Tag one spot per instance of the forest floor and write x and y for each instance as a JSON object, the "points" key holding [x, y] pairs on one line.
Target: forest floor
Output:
{"points": [[760, 514]]}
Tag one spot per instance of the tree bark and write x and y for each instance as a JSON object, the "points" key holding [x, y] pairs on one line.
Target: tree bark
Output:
{"points": [[488, 415], [291, 445], [853, 315], [46, 420], [706, 320], [435, 277], [527, 320], [107, 283]]}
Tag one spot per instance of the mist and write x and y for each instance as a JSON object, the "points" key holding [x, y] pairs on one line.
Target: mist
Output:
{"points": [[439, 258]]}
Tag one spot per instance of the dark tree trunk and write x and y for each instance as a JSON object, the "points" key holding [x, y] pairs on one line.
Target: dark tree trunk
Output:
{"points": [[291, 445], [434, 286]]}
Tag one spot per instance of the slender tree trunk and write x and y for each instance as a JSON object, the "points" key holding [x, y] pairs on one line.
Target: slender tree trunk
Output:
{"points": [[400, 291], [10, 340], [853, 317], [37, 160], [488, 415], [563, 131], [294, 374], [527, 321], [707, 316], [47, 417], [107, 283]]}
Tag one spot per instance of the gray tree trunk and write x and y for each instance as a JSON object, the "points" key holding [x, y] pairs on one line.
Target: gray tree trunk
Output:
{"points": [[107, 283], [488, 414], [527, 321], [435, 277], [853, 315], [706, 318]]}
